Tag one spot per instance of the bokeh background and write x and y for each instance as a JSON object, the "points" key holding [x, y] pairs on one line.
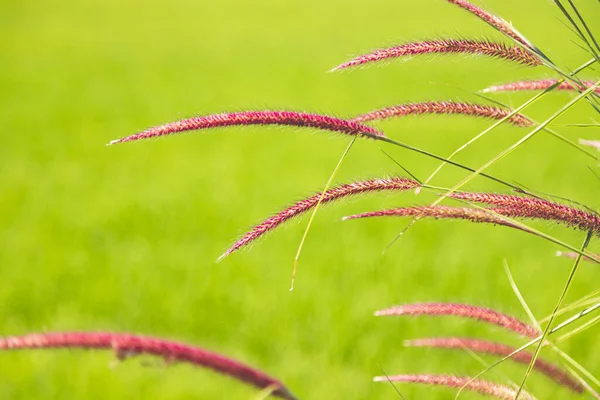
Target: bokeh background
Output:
{"points": [[125, 238]]}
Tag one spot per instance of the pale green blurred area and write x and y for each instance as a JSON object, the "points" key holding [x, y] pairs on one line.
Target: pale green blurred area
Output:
{"points": [[125, 238]]}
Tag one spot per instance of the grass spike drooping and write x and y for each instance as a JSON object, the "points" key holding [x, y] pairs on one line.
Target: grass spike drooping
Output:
{"points": [[336, 193], [441, 212], [289, 118], [127, 344], [482, 346], [535, 208], [463, 310], [447, 46], [478, 385], [493, 20], [446, 108], [539, 85]]}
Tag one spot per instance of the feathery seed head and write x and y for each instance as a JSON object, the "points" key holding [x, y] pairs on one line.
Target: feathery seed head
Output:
{"points": [[290, 118], [539, 85], [445, 107], [447, 46], [531, 207], [126, 344], [493, 20], [523, 357], [463, 310], [440, 212], [336, 193], [481, 386]]}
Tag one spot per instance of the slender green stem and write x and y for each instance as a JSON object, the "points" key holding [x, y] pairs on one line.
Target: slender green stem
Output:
{"points": [[556, 308], [509, 150], [557, 328], [312, 216]]}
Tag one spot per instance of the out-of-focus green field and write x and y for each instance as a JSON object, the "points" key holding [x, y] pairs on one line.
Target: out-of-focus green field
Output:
{"points": [[125, 238]]}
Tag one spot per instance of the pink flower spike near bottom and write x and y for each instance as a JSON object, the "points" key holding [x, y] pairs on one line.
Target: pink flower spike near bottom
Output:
{"points": [[484, 387], [126, 345], [289, 118], [553, 372]]}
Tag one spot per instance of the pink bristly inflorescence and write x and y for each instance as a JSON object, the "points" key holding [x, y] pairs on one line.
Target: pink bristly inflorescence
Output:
{"points": [[541, 84], [445, 107], [477, 385], [463, 310], [552, 371], [126, 345], [290, 118], [445, 46], [531, 207], [492, 20], [591, 143], [442, 212], [336, 193]]}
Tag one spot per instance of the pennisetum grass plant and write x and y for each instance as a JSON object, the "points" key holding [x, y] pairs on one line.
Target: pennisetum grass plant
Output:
{"points": [[507, 209], [128, 345]]}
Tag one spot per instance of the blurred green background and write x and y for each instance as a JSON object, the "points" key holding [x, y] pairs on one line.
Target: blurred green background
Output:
{"points": [[125, 238]]}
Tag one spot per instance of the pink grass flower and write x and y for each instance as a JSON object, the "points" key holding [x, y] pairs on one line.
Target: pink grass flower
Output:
{"points": [[481, 386], [289, 118], [447, 46], [538, 85], [445, 107], [552, 371], [126, 344], [440, 212], [531, 207], [336, 193], [463, 310], [493, 20]]}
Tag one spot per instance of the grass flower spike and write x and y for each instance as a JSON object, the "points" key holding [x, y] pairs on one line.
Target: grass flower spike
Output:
{"points": [[523, 357], [538, 85], [289, 118], [336, 193], [493, 20], [463, 310], [126, 345], [447, 108], [484, 387], [447, 46], [530, 207], [440, 212]]}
